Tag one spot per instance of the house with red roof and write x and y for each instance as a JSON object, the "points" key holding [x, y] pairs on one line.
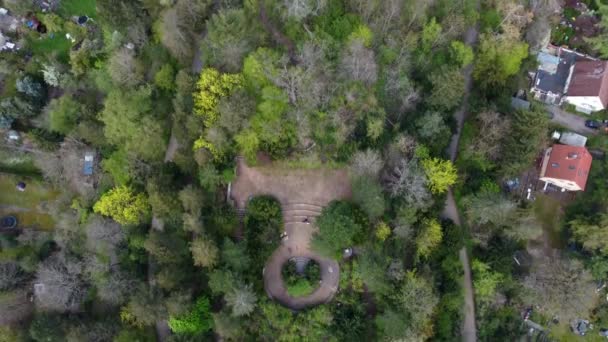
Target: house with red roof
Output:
{"points": [[566, 167]]}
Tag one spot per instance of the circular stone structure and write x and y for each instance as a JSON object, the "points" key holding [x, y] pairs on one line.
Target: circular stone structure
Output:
{"points": [[291, 248]]}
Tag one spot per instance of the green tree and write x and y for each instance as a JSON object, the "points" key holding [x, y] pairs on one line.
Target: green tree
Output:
{"points": [[447, 88], [441, 174], [117, 165], [63, 114], [196, 321], [592, 235], [230, 37], [211, 87], [429, 237], [486, 281], [124, 206], [497, 60], [46, 328], [528, 129], [367, 193], [430, 35], [204, 252], [129, 122], [461, 54], [338, 229], [263, 226], [599, 42], [165, 78]]}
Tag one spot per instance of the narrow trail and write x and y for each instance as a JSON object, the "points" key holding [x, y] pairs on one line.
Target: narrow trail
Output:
{"points": [[162, 326], [469, 331], [277, 35]]}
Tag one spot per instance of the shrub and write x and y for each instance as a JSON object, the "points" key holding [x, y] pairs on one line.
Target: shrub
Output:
{"points": [[196, 321]]}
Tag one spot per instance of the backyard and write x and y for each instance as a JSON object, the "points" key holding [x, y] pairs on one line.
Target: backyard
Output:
{"points": [[28, 206]]}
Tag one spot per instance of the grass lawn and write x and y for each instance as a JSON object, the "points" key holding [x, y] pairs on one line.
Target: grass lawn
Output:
{"points": [[549, 212], [45, 45], [69, 8], [26, 205], [301, 288]]}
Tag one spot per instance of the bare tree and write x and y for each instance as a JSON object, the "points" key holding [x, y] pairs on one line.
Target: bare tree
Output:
{"points": [[562, 287], [490, 208], [399, 90], [15, 307], [204, 252], [538, 33], [125, 69], [104, 236], [408, 181], [358, 63], [234, 111], [366, 163], [493, 127], [242, 300], [11, 275], [61, 287], [67, 232], [115, 287], [300, 9]]}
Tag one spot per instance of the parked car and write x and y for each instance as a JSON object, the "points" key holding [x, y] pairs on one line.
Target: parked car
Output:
{"points": [[592, 124]]}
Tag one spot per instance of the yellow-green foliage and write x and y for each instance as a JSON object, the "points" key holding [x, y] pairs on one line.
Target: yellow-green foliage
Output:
{"points": [[429, 237], [202, 143], [383, 231], [364, 34], [440, 173], [124, 206], [210, 88]]}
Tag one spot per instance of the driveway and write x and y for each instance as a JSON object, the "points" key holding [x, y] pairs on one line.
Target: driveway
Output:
{"points": [[570, 121]]}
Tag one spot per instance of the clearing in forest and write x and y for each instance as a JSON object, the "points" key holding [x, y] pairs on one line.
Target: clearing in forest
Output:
{"points": [[29, 206], [302, 194]]}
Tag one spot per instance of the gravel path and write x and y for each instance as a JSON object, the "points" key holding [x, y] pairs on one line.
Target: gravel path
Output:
{"points": [[469, 332]]}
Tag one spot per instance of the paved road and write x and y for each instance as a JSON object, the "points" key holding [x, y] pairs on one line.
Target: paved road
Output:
{"points": [[469, 332], [572, 122]]}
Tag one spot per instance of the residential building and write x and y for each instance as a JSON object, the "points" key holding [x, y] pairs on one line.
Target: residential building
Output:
{"points": [[588, 87], [566, 167], [566, 76]]}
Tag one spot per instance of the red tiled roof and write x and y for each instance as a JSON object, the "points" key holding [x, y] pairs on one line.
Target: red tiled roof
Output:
{"points": [[590, 78], [569, 163]]}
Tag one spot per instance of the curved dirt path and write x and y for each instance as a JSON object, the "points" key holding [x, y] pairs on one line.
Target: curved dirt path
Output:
{"points": [[302, 194]]}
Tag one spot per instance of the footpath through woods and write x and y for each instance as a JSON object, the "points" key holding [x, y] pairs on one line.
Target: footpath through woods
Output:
{"points": [[469, 332], [162, 326]]}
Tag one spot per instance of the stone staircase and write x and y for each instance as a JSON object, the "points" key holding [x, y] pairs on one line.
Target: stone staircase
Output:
{"points": [[299, 212], [301, 263]]}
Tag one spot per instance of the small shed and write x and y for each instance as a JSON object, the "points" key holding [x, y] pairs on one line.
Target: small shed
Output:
{"points": [[547, 62], [573, 139], [89, 163], [520, 104]]}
